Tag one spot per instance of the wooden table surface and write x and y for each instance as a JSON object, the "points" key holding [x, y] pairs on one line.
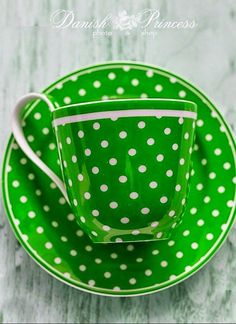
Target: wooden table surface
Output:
{"points": [[33, 54]]}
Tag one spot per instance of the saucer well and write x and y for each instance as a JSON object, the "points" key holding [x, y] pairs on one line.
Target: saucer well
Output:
{"points": [[44, 225]]}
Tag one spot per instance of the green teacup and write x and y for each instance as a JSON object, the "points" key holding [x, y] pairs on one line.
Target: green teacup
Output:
{"points": [[125, 164]]}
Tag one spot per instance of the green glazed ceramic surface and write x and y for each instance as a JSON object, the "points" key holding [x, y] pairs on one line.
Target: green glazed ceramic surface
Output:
{"points": [[126, 166], [46, 227]]}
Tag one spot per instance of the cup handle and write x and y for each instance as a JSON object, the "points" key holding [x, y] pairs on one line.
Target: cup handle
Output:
{"points": [[21, 140]]}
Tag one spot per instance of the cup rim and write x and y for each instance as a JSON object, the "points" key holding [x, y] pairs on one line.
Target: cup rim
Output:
{"points": [[131, 103]]}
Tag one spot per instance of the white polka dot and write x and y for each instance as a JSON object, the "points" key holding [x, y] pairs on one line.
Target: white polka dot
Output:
{"points": [[23, 199], [149, 73], [142, 168], [75, 202], [82, 267], [171, 243], [194, 245], [179, 255], [111, 76], [181, 120], [122, 179], [154, 224], [160, 157], [124, 220], [153, 184], [68, 140], [82, 219], [135, 82], [175, 147], [80, 177], [62, 201], [200, 222], [87, 152], [224, 227], [130, 247], [204, 161], [155, 252], [182, 94], [91, 283], [182, 161], [122, 134], [70, 217], [48, 245], [120, 90], [169, 173], [79, 233], [132, 281], [150, 141], [193, 210], [135, 232], [82, 92], [230, 203], [96, 126], [80, 134], [38, 192], [104, 188], [227, 166], [30, 138], [133, 195], [74, 158], [167, 131], [164, 264], [23, 161], [186, 233], [45, 130], [15, 183], [215, 212], [212, 175], [143, 95], [114, 255], [73, 252], [186, 136], [177, 187], [163, 200], [221, 189], [57, 260], [199, 186], [98, 261], [37, 116], [159, 235], [113, 205], [95, 170], [67, 100], [148, 272], [88, 248], [209, 236], [207, 199], [217, 151], [106, 228], [40, 229], [158, 88], [234, 180], [104, 144], [123, 266], [97, 84], [132, 152], [87, 195], [187, 175], [171, 213], [95, 212], [141, 124], [145, 211], [113, 161], [200, 123], [208, 137]]}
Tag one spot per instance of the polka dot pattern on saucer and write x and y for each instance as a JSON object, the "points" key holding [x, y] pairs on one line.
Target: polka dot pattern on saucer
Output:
{"points": [[40, 218]]}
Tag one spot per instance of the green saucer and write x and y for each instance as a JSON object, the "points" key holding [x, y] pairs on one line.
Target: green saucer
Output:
{"points": [[46, 227]]}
